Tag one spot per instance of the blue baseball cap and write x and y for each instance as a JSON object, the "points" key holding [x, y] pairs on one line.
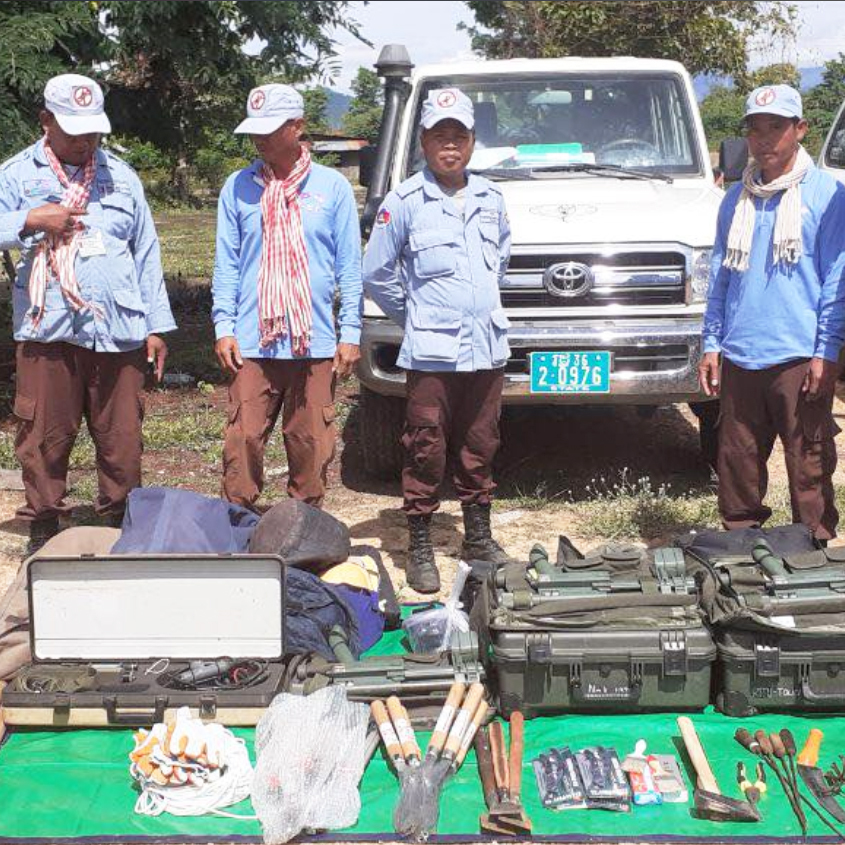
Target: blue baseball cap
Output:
{"points": [[270, 106], [782, 100], [447, 104], [77, 104]]}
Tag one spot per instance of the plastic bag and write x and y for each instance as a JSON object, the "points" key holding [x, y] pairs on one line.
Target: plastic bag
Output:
{"points": [[431, 630], [311, 752]]}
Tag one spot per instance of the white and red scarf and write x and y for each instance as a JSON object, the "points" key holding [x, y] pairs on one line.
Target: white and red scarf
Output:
{"points": [[284, 282], [55, 257]]}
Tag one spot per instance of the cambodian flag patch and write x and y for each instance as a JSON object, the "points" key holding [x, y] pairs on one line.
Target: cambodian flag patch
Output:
{"points": [[383, 217]]}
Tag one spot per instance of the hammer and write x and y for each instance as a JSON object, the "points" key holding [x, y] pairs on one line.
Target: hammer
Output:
{"points": [[709, 801]]}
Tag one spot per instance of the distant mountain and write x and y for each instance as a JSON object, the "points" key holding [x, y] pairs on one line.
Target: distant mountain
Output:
{"points": [[704, 83], [336, 107]]}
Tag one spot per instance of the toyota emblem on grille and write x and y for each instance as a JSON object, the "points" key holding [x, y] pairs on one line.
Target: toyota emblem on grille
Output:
{"points": [[568, 280]]}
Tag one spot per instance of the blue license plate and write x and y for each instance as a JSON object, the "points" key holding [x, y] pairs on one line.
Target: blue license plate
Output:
{"points": [[570, 372]]}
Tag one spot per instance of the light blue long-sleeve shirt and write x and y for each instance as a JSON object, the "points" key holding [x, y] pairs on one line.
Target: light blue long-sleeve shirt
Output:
{"points": [[772, 314], [436, 271], [333, 243], [125, 279]]}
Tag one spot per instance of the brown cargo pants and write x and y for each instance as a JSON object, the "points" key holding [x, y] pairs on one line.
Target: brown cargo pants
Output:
{"points": [[450, 414], [756, 407], [57, 384], [303, 391]]}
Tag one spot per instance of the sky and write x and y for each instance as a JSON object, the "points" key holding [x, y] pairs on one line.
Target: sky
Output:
{"points": [[429, 31]]}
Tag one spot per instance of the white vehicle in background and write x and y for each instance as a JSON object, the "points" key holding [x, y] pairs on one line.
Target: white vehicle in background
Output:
{"points": [[832, 156], [606, 176]]}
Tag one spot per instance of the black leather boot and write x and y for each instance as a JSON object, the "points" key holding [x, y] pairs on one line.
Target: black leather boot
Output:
{"points": [[478, 541], [421, 570], [40, 531]]}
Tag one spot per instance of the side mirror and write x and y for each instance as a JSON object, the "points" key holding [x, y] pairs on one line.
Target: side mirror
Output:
{"points": [[366, 164], [733, 156]]}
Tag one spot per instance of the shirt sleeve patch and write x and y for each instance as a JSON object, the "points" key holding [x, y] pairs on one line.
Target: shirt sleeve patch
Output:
{"points": [[383, 217]]}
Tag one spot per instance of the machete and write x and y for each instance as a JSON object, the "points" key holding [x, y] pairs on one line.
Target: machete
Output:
{"points": [[813, 776]]}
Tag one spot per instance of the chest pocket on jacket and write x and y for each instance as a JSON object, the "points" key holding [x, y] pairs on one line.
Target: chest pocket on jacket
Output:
{"points": [[433, 253], [118, 215]]}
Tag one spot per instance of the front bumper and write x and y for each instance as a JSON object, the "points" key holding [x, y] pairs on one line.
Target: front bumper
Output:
{"points": [[654, 361]]}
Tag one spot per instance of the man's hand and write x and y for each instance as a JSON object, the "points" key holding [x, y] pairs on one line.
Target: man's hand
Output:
{"points": [[708, 374], [347, 355], [228, 354], [820, 380], [54, 219], [156, 354]]}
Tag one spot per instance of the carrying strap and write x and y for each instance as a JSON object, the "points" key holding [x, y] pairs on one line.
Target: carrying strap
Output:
{"points": [[386, 593]]}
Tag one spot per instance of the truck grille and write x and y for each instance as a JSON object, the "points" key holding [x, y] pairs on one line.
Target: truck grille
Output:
{"points": [[624, 278]]}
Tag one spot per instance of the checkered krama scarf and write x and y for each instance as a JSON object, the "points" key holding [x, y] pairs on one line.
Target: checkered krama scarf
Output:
{"points": [[284, 281], [55, 256]]}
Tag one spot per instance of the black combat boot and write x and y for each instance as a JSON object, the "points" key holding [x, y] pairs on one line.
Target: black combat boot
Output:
{"points": [[478, 541], [421, 570], [40, 531]]}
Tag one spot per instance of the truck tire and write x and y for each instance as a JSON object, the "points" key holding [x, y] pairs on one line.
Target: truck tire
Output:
{"points": [[380, 422]]}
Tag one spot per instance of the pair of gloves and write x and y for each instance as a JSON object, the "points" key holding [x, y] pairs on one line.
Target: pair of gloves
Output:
{"points": [[186, 751]]}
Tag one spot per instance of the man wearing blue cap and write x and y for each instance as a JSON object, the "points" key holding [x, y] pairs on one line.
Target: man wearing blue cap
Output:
{"points": [[89, 304], [439, 248], [287, 239], [776, 317]]}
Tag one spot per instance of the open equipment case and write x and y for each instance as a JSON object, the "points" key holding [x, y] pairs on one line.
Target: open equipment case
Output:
{"points": [[125, 640]]}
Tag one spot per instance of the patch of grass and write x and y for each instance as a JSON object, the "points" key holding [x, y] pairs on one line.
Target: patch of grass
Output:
{"points": [[7, 450], [187, 243], [193, 429]]}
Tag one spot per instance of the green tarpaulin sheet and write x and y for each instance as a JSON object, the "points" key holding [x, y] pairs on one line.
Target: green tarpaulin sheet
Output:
{"points": [[75, 785]]}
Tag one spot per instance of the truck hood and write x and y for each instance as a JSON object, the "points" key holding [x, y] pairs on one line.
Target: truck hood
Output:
{"points": [[590, 209]]}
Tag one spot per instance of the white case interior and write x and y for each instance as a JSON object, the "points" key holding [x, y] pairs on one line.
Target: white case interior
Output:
{"points": [[124, 608]]}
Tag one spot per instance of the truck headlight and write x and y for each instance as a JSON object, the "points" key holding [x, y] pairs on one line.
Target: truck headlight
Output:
{"points": [[700, 274], [371, 309]]}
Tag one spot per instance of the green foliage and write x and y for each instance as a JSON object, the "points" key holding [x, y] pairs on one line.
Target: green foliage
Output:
{"points": [[822, 103], [316, 100], [707, 36], [222, 153], [37, 41], [363, 118]]}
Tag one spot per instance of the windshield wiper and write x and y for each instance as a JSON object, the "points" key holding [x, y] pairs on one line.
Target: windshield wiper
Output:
{"points": [[615, 169], [498, 174]]}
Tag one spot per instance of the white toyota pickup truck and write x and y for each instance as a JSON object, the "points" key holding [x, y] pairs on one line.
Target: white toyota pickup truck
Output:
{"points": [[606, 176]]}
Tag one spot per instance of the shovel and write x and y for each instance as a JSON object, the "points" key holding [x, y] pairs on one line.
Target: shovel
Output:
{"points": [[709, 801]]}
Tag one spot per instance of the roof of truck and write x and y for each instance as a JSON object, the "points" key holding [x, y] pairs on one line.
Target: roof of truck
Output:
{"points": [[567, 64]]}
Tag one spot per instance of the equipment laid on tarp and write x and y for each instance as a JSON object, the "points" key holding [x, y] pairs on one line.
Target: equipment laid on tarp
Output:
{"points": [[776, 606], [614, 630], [125, 640]]}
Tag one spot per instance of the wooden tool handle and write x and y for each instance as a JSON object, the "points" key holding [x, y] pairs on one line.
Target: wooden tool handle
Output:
{"points": [[385, 728], [462, 720], [515, 758], [407, 737], [446, 717], [2, 719], [809, 755], [477, 718], [704, 774], [500, 759], [788, 742], [765, 743], [777, 746], [485, 767]]}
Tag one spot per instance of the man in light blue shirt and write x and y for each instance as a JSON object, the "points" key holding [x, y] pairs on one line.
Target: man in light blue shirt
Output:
{"points": [[439, 248], [288, 238], [776, 316], [89, 304]]}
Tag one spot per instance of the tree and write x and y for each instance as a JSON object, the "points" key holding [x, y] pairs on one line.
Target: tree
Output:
{"points": [[721, 113], [39, 41], [363, 118], [822, 103], [180, 70], [707, 36], [316, 100]]}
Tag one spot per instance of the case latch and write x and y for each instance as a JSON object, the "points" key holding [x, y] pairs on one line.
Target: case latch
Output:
{"points": [[673, 645], [766, 660]]}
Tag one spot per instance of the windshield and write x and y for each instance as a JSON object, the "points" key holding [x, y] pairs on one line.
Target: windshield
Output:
{"points": [[632, 121]]}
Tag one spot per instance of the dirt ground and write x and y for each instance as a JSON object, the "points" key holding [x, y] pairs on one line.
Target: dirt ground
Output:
{"points": [[547, 457]]}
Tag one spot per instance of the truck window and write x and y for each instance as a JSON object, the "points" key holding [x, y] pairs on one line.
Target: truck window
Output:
{"points": [[631, 120], [835, 152]]}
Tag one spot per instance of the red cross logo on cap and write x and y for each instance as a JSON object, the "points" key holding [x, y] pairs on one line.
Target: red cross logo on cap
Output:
{"points": [[256, 101], [82, 96], [765, 97], [446, 99]]}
